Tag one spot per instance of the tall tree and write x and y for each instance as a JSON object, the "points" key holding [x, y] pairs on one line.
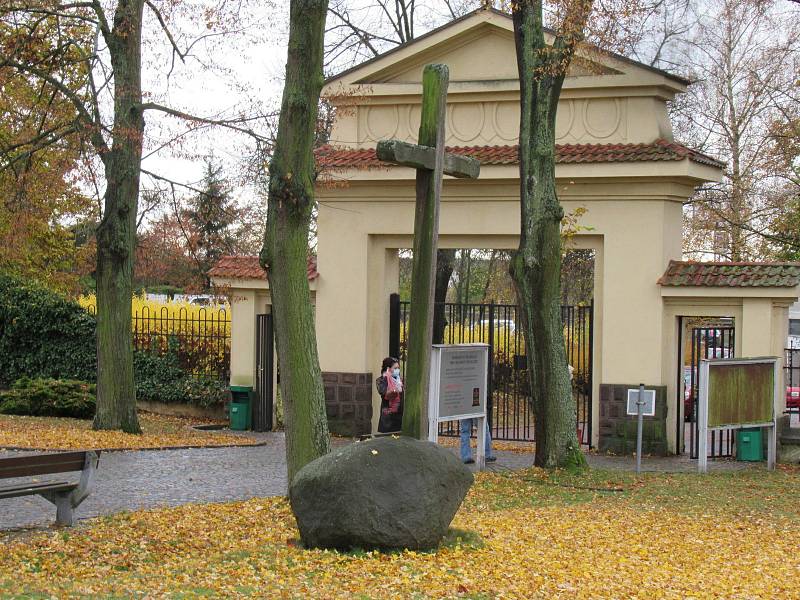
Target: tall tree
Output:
{"points": [[285, 251], [109, 55], [162, 258], [211, 217], [39, 192], [536, 265], [745, 58]]}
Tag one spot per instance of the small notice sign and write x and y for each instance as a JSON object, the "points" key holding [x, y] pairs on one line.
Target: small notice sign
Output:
{"points": [[462, 381], [649, 406], [458, 389]]}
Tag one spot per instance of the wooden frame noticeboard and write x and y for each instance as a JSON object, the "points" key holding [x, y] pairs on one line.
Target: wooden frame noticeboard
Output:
{"points": [[737, 393]]}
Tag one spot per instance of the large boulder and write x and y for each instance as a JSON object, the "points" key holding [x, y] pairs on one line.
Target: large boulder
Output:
{"points": [[388, 492]]}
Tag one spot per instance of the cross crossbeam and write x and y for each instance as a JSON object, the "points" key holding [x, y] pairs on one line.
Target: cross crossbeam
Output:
{"points": [[424, 157]]}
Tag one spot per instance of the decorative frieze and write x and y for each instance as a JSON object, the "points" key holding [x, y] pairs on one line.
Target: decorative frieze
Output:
{"points": [[581, 120]]}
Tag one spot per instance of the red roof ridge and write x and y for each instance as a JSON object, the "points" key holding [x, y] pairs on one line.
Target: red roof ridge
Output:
{"points": [[240, 266], [334, 156], [733, 263], [731, 274]]}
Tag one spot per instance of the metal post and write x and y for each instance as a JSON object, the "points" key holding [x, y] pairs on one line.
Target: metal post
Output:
{"points": [[640, 418], [702, 418], [490, 369], [394, 325]]}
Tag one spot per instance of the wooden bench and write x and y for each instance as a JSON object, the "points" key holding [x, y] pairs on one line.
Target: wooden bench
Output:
{"points": [[65, 495]]}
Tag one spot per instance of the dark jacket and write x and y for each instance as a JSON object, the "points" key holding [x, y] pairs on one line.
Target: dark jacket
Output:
{"points": [[391, 417]]}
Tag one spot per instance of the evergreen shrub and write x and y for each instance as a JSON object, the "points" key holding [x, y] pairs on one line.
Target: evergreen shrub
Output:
{"points": [[49, 398]]}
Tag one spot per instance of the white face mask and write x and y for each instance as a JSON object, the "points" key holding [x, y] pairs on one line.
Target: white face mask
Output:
{"points": [[396, 373]]}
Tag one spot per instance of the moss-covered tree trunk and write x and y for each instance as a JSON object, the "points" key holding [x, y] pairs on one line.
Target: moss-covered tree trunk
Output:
{"points": [[285, 252], [536, 265], [116, 235]]}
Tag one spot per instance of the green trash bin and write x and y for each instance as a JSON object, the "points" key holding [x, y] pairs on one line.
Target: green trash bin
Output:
{"points": [[240, 407], [748, 444]]}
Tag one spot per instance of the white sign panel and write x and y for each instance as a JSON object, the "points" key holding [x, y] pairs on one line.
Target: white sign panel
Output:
{"points": [[458, 389], [649, 406], [461, 384]]}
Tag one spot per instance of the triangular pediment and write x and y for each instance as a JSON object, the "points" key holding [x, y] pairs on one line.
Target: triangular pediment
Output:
{"points": [[479, 47], [485, 52]]}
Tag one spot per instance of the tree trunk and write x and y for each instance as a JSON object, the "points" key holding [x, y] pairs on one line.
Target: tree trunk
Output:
{"points": [[423, 271], [116, 235], [489, 275], [285, 251], [536, 266], [445, 263]]}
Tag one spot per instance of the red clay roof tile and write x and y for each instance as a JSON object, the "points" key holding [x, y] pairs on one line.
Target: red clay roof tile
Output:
{"points": [[248, 267], [731, 274], [333, 158]]}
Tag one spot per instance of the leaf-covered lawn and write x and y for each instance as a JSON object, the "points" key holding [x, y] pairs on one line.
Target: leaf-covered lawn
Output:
{"points": [[49, 433], [521, 535]]}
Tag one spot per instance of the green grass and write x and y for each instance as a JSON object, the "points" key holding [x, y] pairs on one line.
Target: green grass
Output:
{"points": [[747, 491]]}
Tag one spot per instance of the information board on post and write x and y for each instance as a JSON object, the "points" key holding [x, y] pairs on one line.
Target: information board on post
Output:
{"points": [[459, 375], [736, 393]]}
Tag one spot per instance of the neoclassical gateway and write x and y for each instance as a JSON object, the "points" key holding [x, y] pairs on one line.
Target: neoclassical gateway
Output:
{"points": [[615, 157]]}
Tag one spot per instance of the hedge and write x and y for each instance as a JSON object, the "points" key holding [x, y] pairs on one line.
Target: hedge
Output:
{"points": [[49, 398], [46, 336], [43, 335]]}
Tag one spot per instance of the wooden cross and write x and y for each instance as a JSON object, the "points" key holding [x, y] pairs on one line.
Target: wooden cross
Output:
{"points": [[430, 160]]}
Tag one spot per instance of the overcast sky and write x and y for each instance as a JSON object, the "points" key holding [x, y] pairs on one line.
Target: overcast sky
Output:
{"points": [[235, 74], [239, 73]]}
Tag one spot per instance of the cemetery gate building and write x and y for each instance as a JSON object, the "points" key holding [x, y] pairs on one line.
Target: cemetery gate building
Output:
{"points": [[615, 157]]}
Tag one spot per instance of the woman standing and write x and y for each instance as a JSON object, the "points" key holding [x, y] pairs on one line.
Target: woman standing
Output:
{"points": [[390, 388]]}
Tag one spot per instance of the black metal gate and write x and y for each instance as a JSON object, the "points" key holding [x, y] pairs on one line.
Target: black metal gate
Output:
{"points": [[509, 411], [712, 341], [265, 361]]}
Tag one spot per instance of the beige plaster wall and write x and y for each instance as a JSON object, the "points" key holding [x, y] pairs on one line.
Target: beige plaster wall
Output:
{"points": [[605, 119], [243, 337], [600, 120]]}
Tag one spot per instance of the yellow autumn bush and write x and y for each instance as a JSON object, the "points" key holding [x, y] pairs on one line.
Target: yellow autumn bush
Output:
{"points": [[199, 335], [509, 342]]}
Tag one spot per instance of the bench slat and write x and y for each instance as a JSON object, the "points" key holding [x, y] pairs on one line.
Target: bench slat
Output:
{"points": [[29, 490], [41, 464]]}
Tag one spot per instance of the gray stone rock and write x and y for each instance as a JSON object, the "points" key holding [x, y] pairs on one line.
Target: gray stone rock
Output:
{"points": [[387, 492]]}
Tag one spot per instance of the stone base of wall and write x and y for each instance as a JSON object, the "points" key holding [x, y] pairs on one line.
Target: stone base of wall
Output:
{"points": [[216, 413], [348, 403], [618, 430]]}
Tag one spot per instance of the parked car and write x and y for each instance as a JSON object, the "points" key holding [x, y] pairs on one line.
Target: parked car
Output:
{"points": [[793, 397], [200, 300], [501, 323]]}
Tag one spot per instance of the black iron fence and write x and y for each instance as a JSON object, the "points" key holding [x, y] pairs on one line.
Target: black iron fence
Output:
{"points": [[716, 341], [509, 408], [201, 339]]}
